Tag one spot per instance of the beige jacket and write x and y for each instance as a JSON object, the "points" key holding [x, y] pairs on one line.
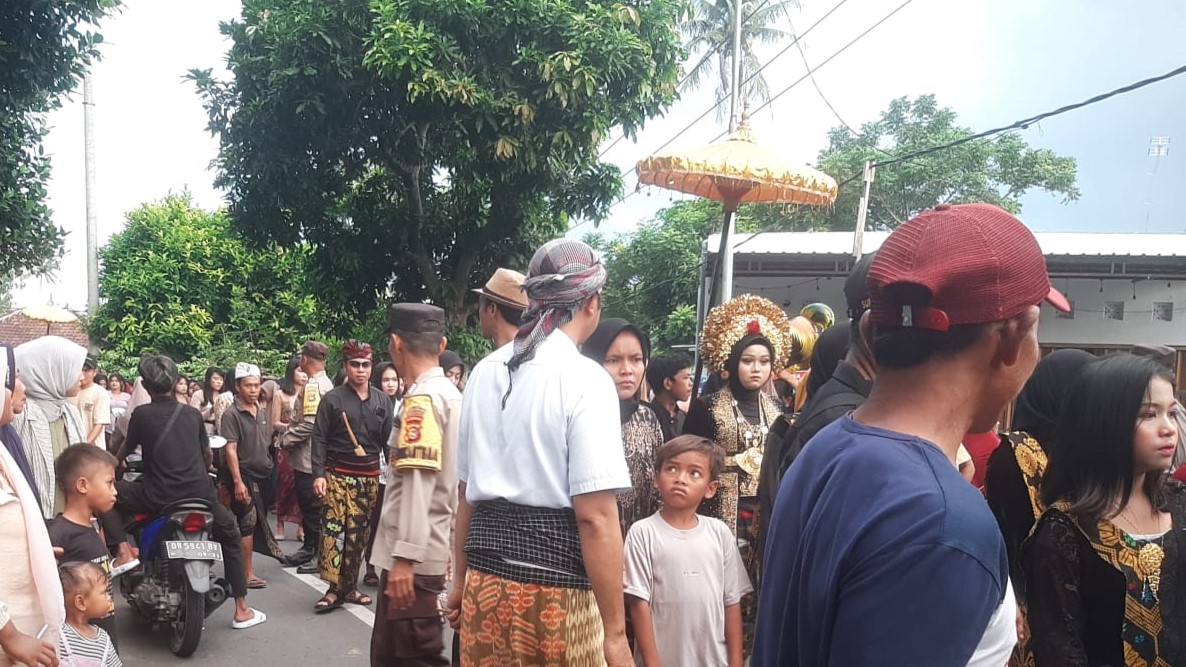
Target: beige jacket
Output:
{"points": [[420, 502], [298, 439]]}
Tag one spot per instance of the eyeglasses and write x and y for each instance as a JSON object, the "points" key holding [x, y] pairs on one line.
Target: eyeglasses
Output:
{"points": [[354, 363]]}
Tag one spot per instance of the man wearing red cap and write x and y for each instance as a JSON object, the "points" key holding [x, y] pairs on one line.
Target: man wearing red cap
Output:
{"points": [[352, 425], [909, 567]]}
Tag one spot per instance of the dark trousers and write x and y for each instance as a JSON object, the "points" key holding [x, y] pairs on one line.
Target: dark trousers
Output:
{"points": [[131, 500], [310, 506], [409, 637]]}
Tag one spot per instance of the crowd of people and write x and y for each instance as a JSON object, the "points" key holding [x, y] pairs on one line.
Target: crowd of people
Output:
{"points": [[833, 495]]}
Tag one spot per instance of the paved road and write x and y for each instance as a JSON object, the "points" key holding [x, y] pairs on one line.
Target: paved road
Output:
{"points": [[292, 637]]}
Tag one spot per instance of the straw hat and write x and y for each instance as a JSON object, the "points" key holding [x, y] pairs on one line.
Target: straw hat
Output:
{"points": [[505, 287]]}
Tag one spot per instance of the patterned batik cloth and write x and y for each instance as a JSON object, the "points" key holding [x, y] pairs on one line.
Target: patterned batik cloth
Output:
{"points": [[505, 622], [641, 436], [345, 528]]}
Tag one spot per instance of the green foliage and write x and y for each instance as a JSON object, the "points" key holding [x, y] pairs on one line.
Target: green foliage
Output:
{"points": [[415, 145], [469, 344], [45, 47], [180, 281], [710, 27], [998, 171]]}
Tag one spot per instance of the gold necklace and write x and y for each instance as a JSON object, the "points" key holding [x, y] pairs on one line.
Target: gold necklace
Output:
{"points": [[1150, 555]]}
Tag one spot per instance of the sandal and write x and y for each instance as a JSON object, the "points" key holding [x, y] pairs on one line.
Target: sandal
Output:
{"points": [[359, 598], [326, 605], [371, 579], [257, 617], [256, 583]]}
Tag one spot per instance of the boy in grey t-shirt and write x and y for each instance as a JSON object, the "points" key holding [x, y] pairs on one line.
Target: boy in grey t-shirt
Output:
{"points": [[684, 576]]}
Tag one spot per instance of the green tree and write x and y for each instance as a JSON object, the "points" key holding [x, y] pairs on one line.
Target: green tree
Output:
{"points": [[179, 280], [417, 144], [709, 30], [45, 47], [998, 171]]}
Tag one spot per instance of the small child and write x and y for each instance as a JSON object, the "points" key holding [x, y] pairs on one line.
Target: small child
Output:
{"points": [[684, 576], [86, 474], [84, 586]]}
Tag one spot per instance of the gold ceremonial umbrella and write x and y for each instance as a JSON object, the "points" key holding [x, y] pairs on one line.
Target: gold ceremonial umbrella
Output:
{"points": [[737, 171], [49, 314]]}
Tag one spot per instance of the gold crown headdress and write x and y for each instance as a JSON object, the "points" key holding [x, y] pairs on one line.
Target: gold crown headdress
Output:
{"points": [[742, 316]]}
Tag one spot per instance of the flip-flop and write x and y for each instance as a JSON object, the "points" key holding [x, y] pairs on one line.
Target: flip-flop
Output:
{"points": [[325, 605], [257, 617], [371, 579], [256, 583], [359, 598]]}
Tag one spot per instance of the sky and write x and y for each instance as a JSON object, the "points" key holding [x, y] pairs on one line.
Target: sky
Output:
{"points": [[992, 61]]}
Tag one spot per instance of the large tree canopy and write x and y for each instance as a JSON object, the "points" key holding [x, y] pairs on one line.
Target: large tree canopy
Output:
{"points": [[181, 281], [998, 170], [417, 144], [45, 46]]}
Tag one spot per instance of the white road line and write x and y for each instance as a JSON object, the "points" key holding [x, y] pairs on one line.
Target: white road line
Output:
{"points": [[360, 612]]}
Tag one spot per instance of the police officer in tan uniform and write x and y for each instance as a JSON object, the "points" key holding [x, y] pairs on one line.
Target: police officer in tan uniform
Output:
{"points": [[412, 546], [298, 440]]}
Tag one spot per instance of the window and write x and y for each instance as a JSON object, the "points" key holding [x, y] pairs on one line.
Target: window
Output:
{"points": [[1163, 311], [1113, 310]]}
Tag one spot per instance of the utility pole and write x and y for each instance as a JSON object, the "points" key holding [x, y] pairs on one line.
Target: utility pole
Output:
{"points": [[92, 240], [728, 229], [858, 234]]}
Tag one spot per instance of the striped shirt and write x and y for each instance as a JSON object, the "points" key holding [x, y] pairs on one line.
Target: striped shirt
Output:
{"points": [[75, 650]]}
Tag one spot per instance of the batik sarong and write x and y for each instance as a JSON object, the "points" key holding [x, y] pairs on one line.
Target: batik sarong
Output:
{"points": [[345, 528], [505, 622]]}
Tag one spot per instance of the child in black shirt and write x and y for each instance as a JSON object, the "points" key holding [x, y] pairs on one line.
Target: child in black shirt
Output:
{"points": [[86, 474]]}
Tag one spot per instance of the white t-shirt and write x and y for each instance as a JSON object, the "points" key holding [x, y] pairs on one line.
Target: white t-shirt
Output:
{"points": [[1000, 636], [688, 577], [94, 403], [558, 436]]}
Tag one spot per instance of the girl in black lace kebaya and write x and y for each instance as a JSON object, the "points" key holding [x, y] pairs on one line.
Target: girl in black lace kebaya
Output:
{"points": [[1105, 564], [624, 350]]}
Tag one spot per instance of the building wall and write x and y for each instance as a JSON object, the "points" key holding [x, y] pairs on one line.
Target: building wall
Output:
{"points": [[1088, 328]]}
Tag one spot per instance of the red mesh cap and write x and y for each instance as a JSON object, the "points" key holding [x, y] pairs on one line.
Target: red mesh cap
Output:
{"points": [[977, 262]]}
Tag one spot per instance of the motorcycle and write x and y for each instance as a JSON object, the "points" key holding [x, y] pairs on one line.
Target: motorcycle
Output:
{"points": [[174, 584]]}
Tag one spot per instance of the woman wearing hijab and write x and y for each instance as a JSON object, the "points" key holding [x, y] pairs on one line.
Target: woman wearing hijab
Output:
{"points": [[31, 606], [51, 367], [454, 368], [1104, 567], [623, 350]]}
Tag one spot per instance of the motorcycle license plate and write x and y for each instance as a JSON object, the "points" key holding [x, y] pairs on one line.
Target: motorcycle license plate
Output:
{"points": [[193, 550]]}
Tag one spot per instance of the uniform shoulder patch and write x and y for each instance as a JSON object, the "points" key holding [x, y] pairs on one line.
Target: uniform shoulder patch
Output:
{"points": [[312, 399], [420, 437]]}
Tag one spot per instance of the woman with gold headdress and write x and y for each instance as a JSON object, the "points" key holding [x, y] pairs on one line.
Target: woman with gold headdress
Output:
{"points": [[748, 338]]}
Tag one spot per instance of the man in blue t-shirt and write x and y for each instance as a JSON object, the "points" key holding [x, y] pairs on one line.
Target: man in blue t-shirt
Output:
{"points": [[878, 552]]}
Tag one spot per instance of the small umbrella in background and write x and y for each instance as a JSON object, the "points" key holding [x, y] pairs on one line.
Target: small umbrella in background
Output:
{"points": [[50, 314]]}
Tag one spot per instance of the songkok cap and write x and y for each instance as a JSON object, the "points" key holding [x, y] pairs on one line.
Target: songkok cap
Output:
{"points": [[246, 370], [505, 287], [315, 350], [356, 349], [856, 287], [415, 318], [969, 263]]}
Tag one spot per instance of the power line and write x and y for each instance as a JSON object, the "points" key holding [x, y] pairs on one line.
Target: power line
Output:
{"points": [[1025, 123], [688, 75]]}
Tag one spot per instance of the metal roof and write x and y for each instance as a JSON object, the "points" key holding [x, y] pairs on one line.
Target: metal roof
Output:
{"points": [[1070, 244]]}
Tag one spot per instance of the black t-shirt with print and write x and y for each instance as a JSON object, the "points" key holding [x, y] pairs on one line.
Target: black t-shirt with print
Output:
{"points": [[81, 543]]}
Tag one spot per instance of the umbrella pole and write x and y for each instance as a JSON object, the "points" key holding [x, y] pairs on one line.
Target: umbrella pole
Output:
{"points": [[717, 295]]}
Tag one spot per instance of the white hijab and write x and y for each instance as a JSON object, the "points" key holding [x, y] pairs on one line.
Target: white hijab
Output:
{"points": [[41, 552], [50, 366]]}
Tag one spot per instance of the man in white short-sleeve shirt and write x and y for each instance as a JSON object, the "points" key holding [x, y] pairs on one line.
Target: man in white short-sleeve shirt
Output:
{"points": [[540, 463]]}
